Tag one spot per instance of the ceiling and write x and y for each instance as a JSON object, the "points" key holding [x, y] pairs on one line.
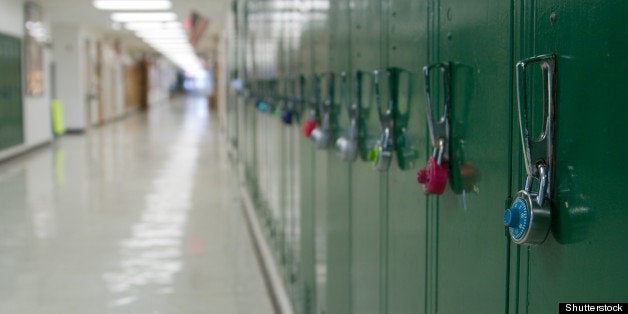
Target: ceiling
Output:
{"points": [[81, 12]]}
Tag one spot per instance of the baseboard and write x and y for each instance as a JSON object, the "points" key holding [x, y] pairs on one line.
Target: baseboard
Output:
{"points": [[18, 151], [275, 285], [75, 131]]}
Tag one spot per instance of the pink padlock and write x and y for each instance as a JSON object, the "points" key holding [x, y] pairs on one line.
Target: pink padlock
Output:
{"points": [[434, 176], [308, 126]]}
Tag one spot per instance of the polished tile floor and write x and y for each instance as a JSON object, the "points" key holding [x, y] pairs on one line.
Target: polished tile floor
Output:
{"points": [[137, 216]]}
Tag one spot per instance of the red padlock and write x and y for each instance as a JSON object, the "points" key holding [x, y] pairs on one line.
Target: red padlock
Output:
{"points": [[308, 126], [434, 176]]}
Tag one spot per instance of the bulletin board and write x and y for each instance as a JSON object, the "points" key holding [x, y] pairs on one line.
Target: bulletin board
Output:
{"points": [[35, 37]]}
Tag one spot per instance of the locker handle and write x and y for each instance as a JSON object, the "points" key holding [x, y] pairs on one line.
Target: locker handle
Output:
{"points": [[347, 146], [312, 120], [438, 129], [381, 154], [529, 217], [301, 90], [434, 176], [406, 152], [354, 110], [322, 134], [298, 95], [286, 100], [316, 95], [540, 149], [385, 117]]}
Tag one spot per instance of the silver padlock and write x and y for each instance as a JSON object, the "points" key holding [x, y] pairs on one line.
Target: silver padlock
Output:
{"points": [[529, 216]]}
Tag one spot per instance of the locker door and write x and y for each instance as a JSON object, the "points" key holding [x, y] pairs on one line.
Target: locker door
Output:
{"points": [[292, 141], [338, 171], [405, 49], [366, 227], [319, 16], [307, 173], [582, 259], [470, 272]]}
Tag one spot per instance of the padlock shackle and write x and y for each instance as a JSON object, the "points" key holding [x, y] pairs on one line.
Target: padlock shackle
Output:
{"points": [[439, 151]]}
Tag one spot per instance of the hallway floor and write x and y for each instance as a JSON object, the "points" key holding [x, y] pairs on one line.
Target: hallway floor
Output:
{"points": [[139, 216]]}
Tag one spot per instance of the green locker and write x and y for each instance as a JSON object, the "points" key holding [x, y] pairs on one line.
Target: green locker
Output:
{"points": [[404, 48], [352, 239], [11, 116], [320, 164], [471, 261], [338, 173], [367, 231], [233, 96], [293, 93], [308, 171], [581, 260]]}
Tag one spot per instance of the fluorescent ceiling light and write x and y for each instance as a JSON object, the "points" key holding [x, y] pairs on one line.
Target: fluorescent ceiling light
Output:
{"points": [[132, 4], [166, 41], [171, 48], [136, 26], [144, 17], [161, 33], [179, 46], [172, 51]]}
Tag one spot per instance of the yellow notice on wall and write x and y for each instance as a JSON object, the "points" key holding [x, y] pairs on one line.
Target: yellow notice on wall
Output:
{"points": [[58, 125]]}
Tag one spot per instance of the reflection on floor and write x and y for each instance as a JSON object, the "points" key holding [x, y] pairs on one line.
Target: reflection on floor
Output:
{"points": [[137, 216]]}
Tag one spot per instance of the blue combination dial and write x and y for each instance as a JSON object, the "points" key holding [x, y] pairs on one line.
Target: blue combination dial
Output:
{"points": [[261, 106], [286, 117], [517, 219]]}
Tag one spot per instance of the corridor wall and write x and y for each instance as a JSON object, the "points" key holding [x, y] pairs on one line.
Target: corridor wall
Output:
{"points": [[35, 110], [358, 234], [70, 70]]}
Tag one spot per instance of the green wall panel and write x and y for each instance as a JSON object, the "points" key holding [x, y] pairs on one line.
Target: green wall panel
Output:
{"points": [[11, 120]]}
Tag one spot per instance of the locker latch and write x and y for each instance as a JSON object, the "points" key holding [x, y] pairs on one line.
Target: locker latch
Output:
{"points": [[381, 154], [347, 145], [311, 121], [288, 101], [406, 153], [529, 217], [295, 100], [322, 134], [266, 102], [434, 176]]}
